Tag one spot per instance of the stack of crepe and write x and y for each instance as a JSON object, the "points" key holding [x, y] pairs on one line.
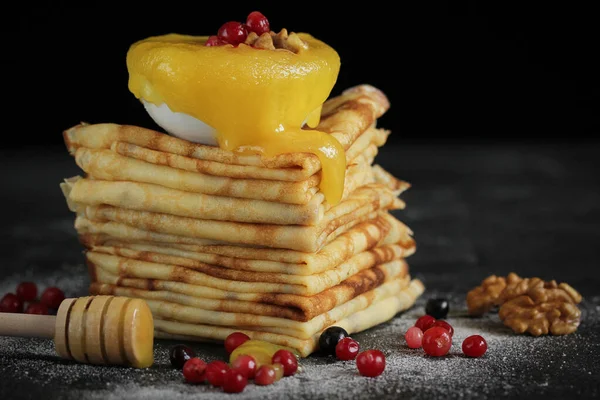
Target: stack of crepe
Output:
{"points": [[218, 242]]}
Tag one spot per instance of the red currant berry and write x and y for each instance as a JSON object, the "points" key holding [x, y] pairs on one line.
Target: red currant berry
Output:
{"points": [[234, 381], [234, 340], [474, 346], [10, 303], [37, 308], [193, 370], [437, 341], [265, 376], [425, 322], [414, 337], [445, 325], [288, 360], [52, 297], [246, 365], [346, 349], [215, 372], [27, 291], [257, 23], [370, 363], [214, 41], [233, 32]]}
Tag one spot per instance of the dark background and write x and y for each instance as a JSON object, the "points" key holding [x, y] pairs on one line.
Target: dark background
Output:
{"points": [[520, 79], [455, 72]]}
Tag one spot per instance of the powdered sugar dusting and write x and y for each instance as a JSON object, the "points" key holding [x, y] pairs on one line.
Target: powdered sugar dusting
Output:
{"points": [[510, 361]]}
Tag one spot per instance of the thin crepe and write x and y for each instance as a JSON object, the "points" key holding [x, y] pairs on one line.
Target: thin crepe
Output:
{"points": [[127, 163], [345, 117], [291, 307], [268, 283], [303, 330], [360, 261], [377, 313], [361, 205], [160, 199], [300, 238], [367, 145], [383, 230]]}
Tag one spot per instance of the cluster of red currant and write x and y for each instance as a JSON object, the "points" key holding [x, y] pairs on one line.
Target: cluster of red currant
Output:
{"points": [[234, 377], [234, 32], [27, 292], [336, 341], [435, 335], [430, 332]]}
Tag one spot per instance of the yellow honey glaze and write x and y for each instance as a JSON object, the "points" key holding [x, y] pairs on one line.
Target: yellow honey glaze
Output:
{"points": [[255, 99]]}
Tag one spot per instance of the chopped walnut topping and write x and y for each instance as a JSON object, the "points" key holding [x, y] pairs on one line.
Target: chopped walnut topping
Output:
{"points": [[264, 41], [290, 42], [528, 304], [281, 40]]}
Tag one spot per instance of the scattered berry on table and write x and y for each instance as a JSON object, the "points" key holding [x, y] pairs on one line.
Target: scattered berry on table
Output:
{"points": [[37, 308], [265, 375], [445, 325], [180, 354], [52, 297], [245, 364], [414, 337], [347, 349], [234, 340], [234, 381], [425, 322], [193, 370], [370, 363], [288, 360], [437, 308], [474, 346], [215, 372], [10, 303], [437, 341], [27, 291], [330, 338]]}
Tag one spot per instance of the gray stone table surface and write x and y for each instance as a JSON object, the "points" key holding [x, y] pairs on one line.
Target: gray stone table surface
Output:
{"points": [[475, 210]]}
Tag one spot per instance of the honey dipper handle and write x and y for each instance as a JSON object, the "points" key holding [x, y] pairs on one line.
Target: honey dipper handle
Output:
{"points": [[27, 325]]}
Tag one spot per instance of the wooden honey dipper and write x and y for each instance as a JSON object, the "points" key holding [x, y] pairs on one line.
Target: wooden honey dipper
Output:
{"points": [[92, 329]]}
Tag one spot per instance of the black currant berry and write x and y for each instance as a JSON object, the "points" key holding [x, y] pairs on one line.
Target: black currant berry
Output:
{"points": [[180, 354], [330, 338], [437, 308]]}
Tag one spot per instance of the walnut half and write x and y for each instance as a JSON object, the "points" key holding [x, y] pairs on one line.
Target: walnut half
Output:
{"points": [[528, 304], [545, 308]]}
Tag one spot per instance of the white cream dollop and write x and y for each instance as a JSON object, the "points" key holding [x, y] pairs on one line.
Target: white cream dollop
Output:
{"points": [[181, 125]]}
